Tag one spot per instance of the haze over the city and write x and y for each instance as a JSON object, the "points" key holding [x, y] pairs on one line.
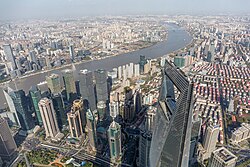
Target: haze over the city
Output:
{"points": [[16, 9]]}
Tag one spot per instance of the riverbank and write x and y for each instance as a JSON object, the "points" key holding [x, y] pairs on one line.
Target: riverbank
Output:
{"points": [[177, 39]]}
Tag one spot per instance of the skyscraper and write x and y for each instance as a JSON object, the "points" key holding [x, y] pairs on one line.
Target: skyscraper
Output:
{"points": [[7, 144], [87, 88], [129, 108], [172, 132], [222, 158], [49, 118], [69, 82], [142, 62], [53, 82], [71, 52], [32, 57], [129, 111], [136, 70], [102, 110], [144, 148], [114, 109], [150, 119], [13, 116], [138, 101], [59, 109], [101, 85], [20, 102], [195, 136], [114, 133], [91, 130], [36, 97], [9, 55], [211, 53], [210, 139], [75, 120]]}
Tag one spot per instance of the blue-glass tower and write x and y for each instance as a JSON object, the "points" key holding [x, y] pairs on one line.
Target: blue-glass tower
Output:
{"points": [[172, 134]]}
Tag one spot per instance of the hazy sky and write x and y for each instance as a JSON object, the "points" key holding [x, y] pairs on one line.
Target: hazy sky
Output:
{"points": [[17, 9]]}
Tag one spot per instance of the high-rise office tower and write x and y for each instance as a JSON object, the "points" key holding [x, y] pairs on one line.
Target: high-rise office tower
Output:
{"points": [[102, 110], [195, 136], [129, 108], [222, 158], [142, 62], [53, 82], [172, 132], [36, 96], [210, 139], [211, 53], [75, 120], [71, 52], [91, 130], [20, 102], [87, 89], [7, 144], [13, 116], [49, 118], [144, 148], [69, 82], [114, 133], [150, 119], [59, 109], [114, 109], [129, 111], [9, 55], [101, 85], [32, 57], [138, 101]]}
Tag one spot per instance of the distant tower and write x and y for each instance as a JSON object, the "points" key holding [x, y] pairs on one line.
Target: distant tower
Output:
{"points": [[7, 144], [102, 110], [144, 148], [59, 109], [222, 158], [210, 139], [71, 52], [53, 82], [211, 53], [32, 57], [142, 62], [69, 82], [101, 85], [91, 130], [87, 88], [20, 102], [49, 117], [36, 96], [114, 133], [75, 120], [9, 55]]}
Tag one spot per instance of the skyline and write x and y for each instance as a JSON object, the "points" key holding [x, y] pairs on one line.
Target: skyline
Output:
{"points": [[44, 9]]}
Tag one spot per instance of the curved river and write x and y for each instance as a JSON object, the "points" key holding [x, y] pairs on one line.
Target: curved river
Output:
{"points": [[177, 39]]}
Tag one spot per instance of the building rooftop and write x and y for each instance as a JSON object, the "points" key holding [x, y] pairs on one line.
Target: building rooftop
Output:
{"points": [[224, 154]]}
